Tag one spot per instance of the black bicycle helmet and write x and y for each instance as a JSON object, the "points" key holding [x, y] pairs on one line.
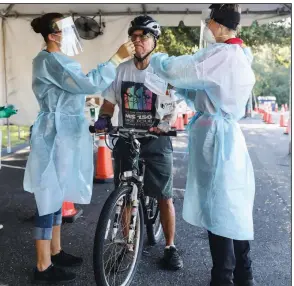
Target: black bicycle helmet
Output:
{"points": [[147, 24]]}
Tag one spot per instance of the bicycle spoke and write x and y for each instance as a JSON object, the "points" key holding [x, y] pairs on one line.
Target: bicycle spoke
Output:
{"points": [[118, 256]]}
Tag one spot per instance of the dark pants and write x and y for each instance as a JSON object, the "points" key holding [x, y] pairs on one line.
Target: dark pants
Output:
{"points": [[231, 260]]}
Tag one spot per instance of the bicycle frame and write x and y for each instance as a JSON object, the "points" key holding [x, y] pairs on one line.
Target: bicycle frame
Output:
{"points": [[133, 178]]}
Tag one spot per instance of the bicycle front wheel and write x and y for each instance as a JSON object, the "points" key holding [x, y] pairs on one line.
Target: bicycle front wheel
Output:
{"points": [[153, 224], [114, 259]]}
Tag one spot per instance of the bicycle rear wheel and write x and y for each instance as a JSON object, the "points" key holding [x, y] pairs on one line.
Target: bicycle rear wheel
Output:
{"points": [[115, 262]]}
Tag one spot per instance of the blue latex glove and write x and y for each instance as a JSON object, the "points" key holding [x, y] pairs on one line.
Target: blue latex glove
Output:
{"points": [[103, 122]]}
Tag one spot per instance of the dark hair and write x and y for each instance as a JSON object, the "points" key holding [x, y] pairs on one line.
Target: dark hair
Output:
{"points": [[228, 15], [45, 24]]}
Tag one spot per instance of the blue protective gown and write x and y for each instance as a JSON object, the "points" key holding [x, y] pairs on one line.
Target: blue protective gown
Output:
{"points": [[60, 164], [220, 189]]}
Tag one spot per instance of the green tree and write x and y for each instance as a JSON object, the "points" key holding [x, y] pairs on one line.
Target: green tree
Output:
{"points": [[272, 75], [185, 40], [275, 33], [178, 41]]}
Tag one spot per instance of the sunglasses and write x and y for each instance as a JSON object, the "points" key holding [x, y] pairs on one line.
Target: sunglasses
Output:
{"points": [[143, 37]]}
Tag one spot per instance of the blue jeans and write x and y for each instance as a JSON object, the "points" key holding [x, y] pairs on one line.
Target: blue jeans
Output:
{"points": [[45, 223]]}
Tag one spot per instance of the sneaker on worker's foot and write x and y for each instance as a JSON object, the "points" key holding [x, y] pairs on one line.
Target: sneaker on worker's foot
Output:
{"points": [[64, 259], [53, 275], [172, 259]]}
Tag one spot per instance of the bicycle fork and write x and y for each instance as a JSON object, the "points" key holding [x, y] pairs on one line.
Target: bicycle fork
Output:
{"points": [[116, 218], [119, 209], [135, 204]]}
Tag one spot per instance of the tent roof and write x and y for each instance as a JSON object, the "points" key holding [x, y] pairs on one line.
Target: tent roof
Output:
{"points": [[260, 12]]}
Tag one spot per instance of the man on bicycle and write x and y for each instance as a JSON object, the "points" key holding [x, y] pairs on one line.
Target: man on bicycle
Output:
{"points": [[135, 90]]}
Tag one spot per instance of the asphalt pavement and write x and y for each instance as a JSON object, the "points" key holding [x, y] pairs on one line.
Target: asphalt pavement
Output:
{"points": [[271, 249]]}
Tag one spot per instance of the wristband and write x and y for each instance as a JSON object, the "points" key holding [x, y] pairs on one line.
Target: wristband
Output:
{"points": [[116, 60]]}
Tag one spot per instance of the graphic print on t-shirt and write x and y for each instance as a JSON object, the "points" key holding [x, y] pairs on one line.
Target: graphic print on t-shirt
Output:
{"points": [[138, 105]]}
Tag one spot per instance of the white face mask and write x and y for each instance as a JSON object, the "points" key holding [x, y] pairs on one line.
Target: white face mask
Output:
{"points": [[68, 45], [208, 36]]}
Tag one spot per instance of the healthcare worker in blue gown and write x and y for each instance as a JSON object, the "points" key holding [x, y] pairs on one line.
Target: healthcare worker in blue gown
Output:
{"points": [[217, 81], [60, 164]]}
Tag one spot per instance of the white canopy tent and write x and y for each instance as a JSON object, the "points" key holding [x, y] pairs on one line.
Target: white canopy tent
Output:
{"points": [[19, 44]]}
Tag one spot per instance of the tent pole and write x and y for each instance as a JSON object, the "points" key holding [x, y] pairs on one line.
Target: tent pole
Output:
{"points": [[290, 113], [5, 84], [201, 44]]}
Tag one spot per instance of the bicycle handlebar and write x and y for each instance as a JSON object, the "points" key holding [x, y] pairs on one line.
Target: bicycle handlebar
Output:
{"points": [[172, 133]]}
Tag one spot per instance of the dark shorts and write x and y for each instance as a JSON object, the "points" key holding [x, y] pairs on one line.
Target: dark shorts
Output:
{"points": [[158, 157]]}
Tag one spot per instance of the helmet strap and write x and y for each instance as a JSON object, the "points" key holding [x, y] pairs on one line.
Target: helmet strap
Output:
{"points": [[147, 55]]}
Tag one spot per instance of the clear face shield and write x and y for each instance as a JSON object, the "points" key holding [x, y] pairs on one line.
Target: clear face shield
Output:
{"points": [[70, 40], [205, 19]]}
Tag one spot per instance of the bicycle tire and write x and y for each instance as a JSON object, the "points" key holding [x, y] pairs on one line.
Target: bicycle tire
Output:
{"points": [[154, 234], [98, 261]]}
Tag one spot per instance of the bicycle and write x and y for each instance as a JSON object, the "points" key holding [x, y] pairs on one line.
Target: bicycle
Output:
{"points": [[131, 210]]}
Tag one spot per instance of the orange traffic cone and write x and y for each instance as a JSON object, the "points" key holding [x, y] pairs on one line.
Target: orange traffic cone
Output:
{"points": [[104, 169], [282, 118], [265, 115], [186, 120], [287, 127], [70, 213], [180, 123], [270, 118], [261, 109]]}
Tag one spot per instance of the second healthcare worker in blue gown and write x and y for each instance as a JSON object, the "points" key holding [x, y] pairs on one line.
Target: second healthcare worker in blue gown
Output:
{"points": [[60, 165], [218, 81]]}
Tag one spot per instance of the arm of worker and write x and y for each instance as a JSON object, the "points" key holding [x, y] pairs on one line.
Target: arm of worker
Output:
{"points": [[68, 75], [199, 71]]}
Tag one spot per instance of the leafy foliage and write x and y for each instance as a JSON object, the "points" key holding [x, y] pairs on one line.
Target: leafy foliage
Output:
{"points": [[272, 74]]}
